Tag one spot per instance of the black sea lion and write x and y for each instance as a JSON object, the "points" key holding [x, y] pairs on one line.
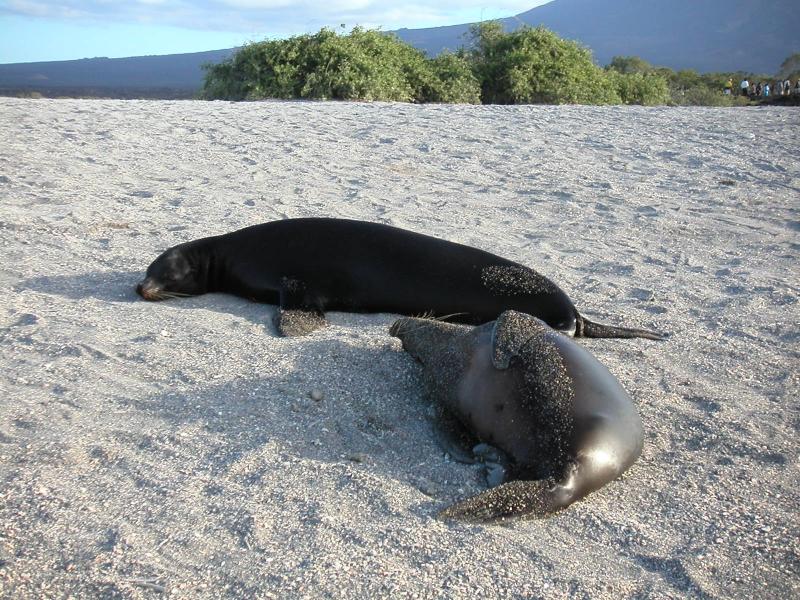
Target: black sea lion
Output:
{"points": [[308, 266], [564, 422]]}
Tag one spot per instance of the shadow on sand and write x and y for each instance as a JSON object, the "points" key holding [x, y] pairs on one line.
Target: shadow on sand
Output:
{"points": [[120, 287], [373, 428]]}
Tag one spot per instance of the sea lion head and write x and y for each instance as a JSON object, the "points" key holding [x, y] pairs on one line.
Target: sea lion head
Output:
{"points": [[173, 274]]}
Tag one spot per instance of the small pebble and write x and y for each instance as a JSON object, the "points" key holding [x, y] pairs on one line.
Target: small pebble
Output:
{"points": [[316, 395], [429, 488]]}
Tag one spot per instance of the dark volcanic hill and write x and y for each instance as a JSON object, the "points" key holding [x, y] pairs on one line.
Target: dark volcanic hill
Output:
{"points": [[138, 75], [705, 35]]}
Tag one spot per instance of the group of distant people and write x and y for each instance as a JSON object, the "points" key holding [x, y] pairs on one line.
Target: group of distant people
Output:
{"points": [[763, 89]]}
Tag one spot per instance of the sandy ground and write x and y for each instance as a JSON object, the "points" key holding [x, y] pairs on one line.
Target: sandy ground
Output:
{"points": [[174, 448]]}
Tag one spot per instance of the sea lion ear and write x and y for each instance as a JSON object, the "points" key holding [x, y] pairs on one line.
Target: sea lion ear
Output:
{"points": [[511, 332]]}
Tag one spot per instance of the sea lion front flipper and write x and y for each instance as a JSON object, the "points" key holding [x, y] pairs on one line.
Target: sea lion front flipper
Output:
{"points": [[300, 312], [453, 437], [589, 329], [464, 447], [519, 498], [512, 330], [498, 464]]}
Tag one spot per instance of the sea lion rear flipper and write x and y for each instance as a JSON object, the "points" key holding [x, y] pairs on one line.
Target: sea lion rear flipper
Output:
{"points": [[300, 313], [590, 329], [530, 499]]}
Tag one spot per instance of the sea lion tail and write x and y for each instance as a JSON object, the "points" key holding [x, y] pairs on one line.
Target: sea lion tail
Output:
{"points": [[589, 329]]}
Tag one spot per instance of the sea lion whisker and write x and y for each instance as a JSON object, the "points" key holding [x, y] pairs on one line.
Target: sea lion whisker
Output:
{"points": [[443, 317], [430, 315]]}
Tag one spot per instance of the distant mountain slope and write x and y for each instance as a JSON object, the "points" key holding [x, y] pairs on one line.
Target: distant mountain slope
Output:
{"points": [[706, 35], [174, 71]]}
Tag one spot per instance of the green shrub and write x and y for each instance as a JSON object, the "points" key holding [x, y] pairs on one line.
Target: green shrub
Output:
{"points": [[526, 66], [534, 65], [362, 65], [628, 65], [638, 88], [705, 96], [645, 84], [454, 81]]}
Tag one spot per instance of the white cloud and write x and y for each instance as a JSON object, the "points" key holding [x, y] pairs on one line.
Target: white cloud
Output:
{"points": [[273, 17], [43, 9]]}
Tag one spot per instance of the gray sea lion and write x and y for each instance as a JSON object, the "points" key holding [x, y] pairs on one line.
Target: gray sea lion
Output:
{"points": [[564, 422], [309, 266]]}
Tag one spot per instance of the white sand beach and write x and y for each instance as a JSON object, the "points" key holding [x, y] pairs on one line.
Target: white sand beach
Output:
{"points": [[173, 449]]}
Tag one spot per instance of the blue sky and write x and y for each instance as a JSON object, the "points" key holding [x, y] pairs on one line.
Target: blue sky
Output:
{"points": [[39, 30]]}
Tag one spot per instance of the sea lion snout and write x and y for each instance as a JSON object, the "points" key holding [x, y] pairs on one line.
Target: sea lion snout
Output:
{"points": [[149, 289], [405, 329], [424, 338]]}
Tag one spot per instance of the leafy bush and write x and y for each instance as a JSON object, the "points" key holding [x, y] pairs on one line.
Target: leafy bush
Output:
{"points": [[454, 81], [534, 65], [706, 96], [526, 66], [363, 65], [628, 65], [638, 88], [645, 84]]}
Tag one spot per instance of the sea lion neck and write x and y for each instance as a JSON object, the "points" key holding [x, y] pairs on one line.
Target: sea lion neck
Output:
{"points": [[208, 264]]}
